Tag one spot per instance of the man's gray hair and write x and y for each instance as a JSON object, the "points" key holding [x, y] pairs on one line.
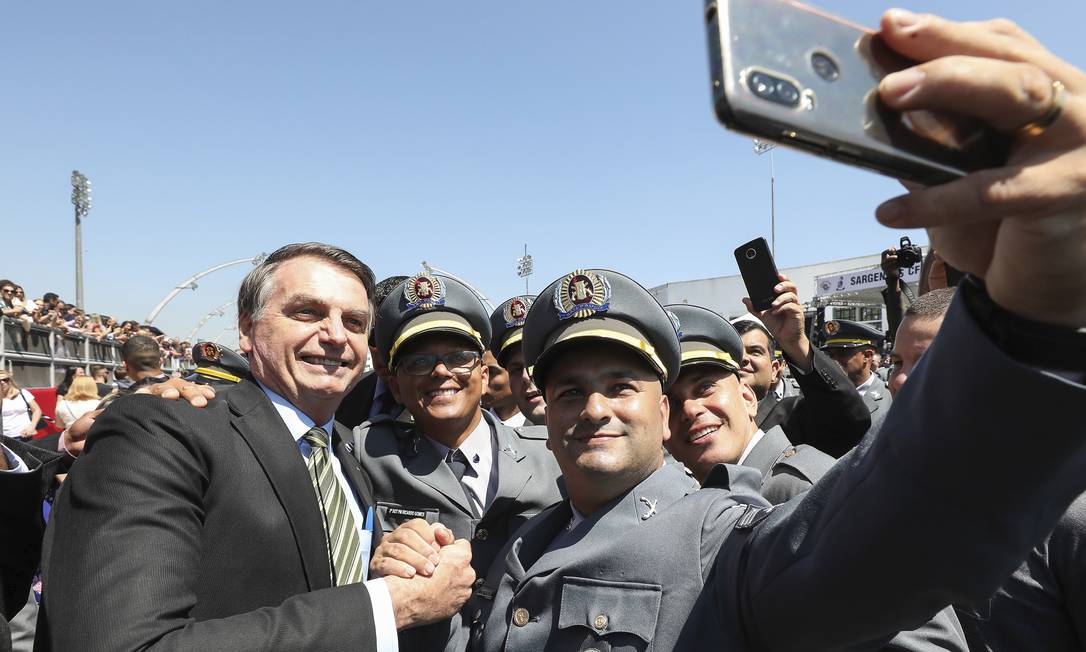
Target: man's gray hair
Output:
{"points": [[932, 304], [258, 286]]}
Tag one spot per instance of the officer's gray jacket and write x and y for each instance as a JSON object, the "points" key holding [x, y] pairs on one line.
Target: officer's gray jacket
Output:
{"points": [[411, 480], [891, 535], [878, 397], [624, 579], [1042, 606], [787, 470]]}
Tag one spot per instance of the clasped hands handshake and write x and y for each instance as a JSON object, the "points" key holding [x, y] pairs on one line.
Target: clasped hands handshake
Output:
{"points": [[428, 572]]}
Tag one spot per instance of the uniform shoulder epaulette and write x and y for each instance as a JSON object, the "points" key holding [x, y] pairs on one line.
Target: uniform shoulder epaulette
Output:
{"points": [[537, 433]]}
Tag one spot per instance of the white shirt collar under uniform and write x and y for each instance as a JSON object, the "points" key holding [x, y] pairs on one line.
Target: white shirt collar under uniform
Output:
{"points": [[867, 384], [482, 473], [750, 446]]}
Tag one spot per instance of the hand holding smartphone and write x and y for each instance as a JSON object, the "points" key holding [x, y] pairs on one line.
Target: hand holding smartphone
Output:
{"points": [[759, 272]]}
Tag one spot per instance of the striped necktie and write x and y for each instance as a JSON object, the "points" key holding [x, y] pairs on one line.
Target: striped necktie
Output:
{"points": [[339, 523]]}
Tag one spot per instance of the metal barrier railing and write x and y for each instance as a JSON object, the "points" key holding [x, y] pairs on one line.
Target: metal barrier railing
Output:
{"points": [[39, 355]]}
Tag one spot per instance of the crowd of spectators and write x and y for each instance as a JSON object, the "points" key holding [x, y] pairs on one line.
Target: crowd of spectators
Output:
{"points": [[50, 311]]}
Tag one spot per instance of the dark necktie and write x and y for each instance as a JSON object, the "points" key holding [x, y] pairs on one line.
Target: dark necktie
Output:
{"points": [[458, 462], [344, 546]]}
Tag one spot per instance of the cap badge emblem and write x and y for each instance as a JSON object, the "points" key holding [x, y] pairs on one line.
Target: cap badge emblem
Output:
{"points": [[210, 351], [582, 294], [832, 328], [424, 292], [516, 311]]}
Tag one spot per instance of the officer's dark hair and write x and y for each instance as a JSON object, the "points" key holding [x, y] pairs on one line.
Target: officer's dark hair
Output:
{"points": [[257, 285], [931, 305], [142, 353], [748, 325], [385, 288]]}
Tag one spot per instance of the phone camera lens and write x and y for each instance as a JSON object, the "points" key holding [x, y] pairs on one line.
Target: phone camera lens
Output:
{"points": [[773, 89], [787, 93], [751, 253], [825, 67], [762, 85]]}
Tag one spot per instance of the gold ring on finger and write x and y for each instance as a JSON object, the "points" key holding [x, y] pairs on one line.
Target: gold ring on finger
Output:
{"points": [[1055, 107]]}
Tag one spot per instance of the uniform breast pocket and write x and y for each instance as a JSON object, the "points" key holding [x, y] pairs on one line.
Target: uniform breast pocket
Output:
{"points": [[608, 616], [393, 515]]}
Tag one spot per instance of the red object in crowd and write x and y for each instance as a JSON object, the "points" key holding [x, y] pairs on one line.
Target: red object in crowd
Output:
{"points": [[46, 398]]}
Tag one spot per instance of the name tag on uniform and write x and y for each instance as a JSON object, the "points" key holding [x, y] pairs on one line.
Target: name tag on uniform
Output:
{"points": [[392, 515]]}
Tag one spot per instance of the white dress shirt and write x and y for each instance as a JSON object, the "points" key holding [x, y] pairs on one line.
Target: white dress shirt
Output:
{"points": [[384, 618], [750, 445], [867, 384], [481, 476], [515, 421]]}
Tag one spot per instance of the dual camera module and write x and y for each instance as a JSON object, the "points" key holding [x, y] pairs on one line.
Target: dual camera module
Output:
{"points": [[782, 91]]}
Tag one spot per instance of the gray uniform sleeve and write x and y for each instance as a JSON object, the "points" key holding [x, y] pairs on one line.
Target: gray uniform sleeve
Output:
{"points": [[895, 532]]}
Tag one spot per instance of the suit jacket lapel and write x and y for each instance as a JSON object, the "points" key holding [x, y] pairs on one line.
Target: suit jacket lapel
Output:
{"points": [[254, 418]]}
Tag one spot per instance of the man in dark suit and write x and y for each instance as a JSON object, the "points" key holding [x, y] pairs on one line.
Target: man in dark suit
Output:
{"points": [[240, 526], [829, 414]]}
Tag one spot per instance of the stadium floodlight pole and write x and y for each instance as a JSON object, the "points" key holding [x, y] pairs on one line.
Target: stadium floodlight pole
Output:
{"points": [[81, 200], [525, 267], [761, 147], [190, 282], [430, 269], [216, 312]]}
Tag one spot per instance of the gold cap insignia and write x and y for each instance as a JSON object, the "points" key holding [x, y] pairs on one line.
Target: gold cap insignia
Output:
{"points": [[516, 311], [832, 328], [210, 351], [424, 291], [582, 294]]}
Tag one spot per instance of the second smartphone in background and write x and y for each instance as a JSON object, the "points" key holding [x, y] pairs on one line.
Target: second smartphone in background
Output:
{"points": [[759, 272]]}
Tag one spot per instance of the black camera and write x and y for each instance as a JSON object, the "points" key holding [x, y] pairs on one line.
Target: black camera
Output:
{"points": [[774, 89], [908, 254]]}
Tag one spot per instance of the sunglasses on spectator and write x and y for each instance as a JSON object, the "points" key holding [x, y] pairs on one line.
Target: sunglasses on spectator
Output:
{"points": [[422, 364]]}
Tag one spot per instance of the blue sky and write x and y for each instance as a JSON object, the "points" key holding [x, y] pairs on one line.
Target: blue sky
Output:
{"points": [[448, 132]]}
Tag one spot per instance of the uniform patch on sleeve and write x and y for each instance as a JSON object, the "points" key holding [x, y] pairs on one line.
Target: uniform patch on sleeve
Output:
{"points": [[752, 515]]}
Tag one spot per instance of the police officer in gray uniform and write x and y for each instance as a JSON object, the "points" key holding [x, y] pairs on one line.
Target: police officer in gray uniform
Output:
{"points": [[853, 345], [217, 365], [453, 462], [507, 326], [713, 412]]}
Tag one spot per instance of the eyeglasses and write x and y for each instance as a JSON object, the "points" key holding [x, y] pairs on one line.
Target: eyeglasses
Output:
{"points": [[7, 290], [422, 364], [5, 380]]}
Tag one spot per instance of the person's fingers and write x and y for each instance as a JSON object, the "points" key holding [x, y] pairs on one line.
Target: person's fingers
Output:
{"points": [[443, 536], [415, 540], [968, 247], [923, 37], [1005, 95], [987, 195], [750, 308], [389, 567], [408, 555], [785, 286], [784, 300]]}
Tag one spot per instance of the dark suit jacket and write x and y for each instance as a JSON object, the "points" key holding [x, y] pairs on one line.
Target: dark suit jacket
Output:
{"points": [[830, 415], [196, 529], [21, 496], [355, 407]]}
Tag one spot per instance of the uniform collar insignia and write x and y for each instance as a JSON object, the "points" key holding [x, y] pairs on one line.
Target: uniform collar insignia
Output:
{"points": [[651, 505], [582, 294], [424, 291]]}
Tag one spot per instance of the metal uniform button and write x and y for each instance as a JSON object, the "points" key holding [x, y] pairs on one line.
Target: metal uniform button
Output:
{"points": [[600, 623], [520, 617], [479, 582], [481, 534]]}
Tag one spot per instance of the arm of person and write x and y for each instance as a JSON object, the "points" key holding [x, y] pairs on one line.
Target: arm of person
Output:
{"points": [[831, 414], [35, 415], [891, 295]]}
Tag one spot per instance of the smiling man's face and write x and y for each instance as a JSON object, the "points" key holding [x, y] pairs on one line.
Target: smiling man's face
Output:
{"points": [[309, 344], [606, 421]]}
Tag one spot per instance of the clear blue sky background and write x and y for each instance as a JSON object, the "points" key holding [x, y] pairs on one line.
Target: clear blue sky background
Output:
{"points": [[448, 132]]}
